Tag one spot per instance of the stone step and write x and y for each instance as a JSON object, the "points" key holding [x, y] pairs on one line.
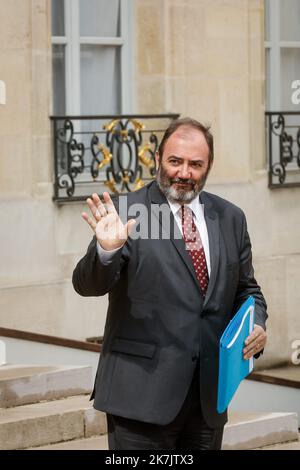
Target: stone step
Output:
{"points": [[243, 431], [22, 385], [294, 445], [91, 443], [252, 430], [50, 422]]}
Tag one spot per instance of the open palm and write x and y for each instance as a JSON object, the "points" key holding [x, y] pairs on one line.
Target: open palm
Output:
{"points": [[110, 231]]}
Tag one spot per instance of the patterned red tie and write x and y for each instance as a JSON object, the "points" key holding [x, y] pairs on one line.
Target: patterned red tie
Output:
{"points": [[194, 246]]}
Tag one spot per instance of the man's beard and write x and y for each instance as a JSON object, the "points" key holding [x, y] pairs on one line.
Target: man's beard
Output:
{"points": [[181, 196]]}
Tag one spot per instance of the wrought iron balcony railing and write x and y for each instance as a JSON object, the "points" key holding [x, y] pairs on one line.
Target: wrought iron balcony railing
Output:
{"points": [[283, 129], [112, 153]]}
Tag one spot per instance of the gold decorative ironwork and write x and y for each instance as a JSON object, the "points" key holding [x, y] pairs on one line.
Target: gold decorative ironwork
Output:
{"points": [[121, 160], [111, 184], [139, 183], [106, 154], [147, 161], [110, 127], [125, 178], [124, 134], [138, 126]]}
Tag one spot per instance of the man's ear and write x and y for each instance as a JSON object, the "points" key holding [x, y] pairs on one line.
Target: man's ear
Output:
{"points": [[157, 160]]}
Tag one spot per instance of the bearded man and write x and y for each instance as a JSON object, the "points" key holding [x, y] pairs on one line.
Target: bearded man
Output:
{"points": [[170, 299]]}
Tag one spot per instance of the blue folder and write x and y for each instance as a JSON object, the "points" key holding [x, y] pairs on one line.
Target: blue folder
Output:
{"points": [[233, 368]]}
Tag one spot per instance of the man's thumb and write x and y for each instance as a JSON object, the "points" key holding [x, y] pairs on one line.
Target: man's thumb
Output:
{"points": [[129, 226]]}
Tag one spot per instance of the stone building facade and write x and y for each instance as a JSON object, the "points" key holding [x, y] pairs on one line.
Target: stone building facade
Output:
{"points": [[200, 58]]}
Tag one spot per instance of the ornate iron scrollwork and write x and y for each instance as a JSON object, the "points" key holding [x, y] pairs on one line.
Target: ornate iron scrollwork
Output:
{"points": [[277, 127], [298, 143], [123, 140], [98, 149], [120, 155], [284, 138], [286, 148], [71, 157], [279, 170]]}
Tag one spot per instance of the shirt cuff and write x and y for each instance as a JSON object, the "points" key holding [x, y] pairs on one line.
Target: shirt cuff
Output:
{"points": [[105, 256]]}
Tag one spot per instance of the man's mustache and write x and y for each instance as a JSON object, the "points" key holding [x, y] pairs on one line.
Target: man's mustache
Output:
{"points": [[183, 181]]}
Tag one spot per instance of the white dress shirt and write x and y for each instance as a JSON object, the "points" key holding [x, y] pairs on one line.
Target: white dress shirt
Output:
{"points": [[198, 214]]}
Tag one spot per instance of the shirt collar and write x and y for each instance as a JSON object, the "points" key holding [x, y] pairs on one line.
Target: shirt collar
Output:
{"points": [[194, 205]]}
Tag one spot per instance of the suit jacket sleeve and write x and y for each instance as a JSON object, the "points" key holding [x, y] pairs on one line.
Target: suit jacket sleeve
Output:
{"points": [[247, 283], [93, 278]]}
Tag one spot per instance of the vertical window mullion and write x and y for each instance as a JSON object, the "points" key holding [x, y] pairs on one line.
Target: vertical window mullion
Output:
{"points": [[72, 57], [68, 63], [274, 72], [126, 75], [76, 56]]}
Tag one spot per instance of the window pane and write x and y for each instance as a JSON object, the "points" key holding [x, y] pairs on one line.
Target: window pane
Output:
{"points": [[99, 18], [290, 20], [290, 71], [267, 20], [58, 70], [58, 17], [100, 79]]}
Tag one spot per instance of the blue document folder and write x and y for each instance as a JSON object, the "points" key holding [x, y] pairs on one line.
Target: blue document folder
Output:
{"points": [[233, 368]]}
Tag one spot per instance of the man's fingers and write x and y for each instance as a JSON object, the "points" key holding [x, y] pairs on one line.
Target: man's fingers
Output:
{"points": [[255, 342], [99, 206], [93, 209], [89, 220], [257, 333], [253, 350], [129, 226], [251, 338], [109, 204]]}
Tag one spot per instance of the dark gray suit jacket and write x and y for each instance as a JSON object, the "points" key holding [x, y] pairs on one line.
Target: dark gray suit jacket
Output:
{"points": [[158, 327]]}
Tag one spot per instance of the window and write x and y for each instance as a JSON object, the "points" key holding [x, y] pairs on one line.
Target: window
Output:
{"points": [[91, 57], [282, 26]]}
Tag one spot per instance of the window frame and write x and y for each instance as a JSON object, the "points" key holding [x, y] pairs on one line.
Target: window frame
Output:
{"points": [[73, 41], [274, 45]]}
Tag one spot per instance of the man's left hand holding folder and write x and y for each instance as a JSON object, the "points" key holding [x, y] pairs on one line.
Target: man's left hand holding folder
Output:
{"points": [[255, 342]]}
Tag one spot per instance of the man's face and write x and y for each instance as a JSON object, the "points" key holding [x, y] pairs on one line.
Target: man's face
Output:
{"points": [[183, 169]]}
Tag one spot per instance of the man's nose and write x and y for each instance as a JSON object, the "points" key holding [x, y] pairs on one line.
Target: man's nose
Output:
{"points": [[184, 172]]}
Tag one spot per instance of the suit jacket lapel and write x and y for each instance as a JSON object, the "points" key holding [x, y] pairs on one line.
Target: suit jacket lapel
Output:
{"points": [[175, 235], [213, 229]]}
